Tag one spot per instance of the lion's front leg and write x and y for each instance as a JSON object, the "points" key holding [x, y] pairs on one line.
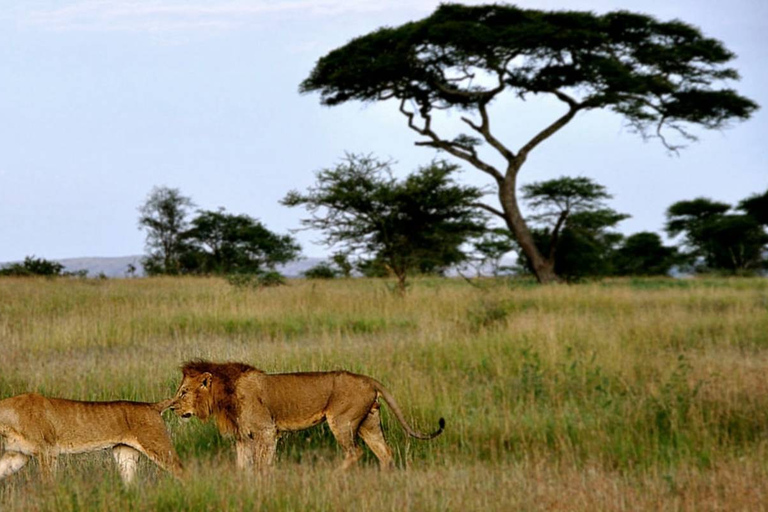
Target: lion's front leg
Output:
{"points": [[244, 449], [264, 447]]}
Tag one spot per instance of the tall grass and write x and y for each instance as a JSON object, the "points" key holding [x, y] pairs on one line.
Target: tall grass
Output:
{"points": [[625, 395]]}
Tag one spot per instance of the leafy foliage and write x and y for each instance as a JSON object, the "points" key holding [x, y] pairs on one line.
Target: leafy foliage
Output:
{"points": [[32, 266], [689, 216], [643, 254], [341, 260], [654, 73], [554, 198], [416, 225], [659, 76], [716, 239], [257, 280], [213, 242], [756, 206], [586, 245], [164, 216], [572, 225], [491, 247], [222, 243], [322, 270]]}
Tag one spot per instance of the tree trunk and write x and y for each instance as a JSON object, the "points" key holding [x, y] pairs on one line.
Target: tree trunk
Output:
{"points": [[543, 268]]}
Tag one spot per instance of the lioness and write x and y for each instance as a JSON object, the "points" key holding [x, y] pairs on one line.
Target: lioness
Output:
{"points": [[256, 408], [36, 426]]}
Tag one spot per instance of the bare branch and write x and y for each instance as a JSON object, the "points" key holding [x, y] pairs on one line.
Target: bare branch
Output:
{"points": [[468, 155], [567, 99], [485, 130], [552, 128], [489, 209], [480, 95], [556, 234]]}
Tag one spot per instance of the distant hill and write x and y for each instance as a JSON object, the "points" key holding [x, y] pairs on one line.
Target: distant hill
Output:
{"points": [[118, 266], [110, 267]]}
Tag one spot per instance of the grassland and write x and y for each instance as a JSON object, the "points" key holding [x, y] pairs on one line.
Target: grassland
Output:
{"points": [[622, 395]]}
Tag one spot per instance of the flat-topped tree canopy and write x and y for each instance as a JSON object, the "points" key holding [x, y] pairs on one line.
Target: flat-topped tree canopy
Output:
{"points": [[654, 73], [657, 75]]}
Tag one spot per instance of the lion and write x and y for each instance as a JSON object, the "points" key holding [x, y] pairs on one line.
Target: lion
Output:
{"points": [[35, 426], [256, 408]]}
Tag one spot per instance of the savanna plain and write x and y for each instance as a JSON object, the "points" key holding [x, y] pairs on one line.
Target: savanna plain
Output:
{"points": [[619, 395]]}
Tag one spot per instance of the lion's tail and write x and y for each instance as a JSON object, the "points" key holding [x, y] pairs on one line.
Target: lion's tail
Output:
{"points": [[399, 414], [162, 406]]}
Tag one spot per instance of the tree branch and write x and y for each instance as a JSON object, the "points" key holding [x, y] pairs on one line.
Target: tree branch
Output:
{"points": [[550, 130], [468, 155], [553, 238], [485, 130], [489, 209]]}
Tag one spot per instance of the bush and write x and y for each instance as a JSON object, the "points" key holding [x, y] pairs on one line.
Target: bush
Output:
{"points": [[256, 281], [33, 267], [322, 270]]}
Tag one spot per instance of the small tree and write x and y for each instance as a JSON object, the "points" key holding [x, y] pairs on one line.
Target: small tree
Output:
{"points": [[322, 270], [716, 239], [341, 260], [222, 243], [164, 216], [572, 226], [585, 246], [491, 247], [643, 254], [658, 76], [554, 201], [418, 224]]}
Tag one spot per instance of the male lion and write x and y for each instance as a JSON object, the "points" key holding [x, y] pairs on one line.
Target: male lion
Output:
{"points": [[256, 407], [36, 426]]}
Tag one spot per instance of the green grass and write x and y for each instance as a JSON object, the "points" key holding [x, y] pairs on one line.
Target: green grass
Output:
{"points": [[626, 394]]}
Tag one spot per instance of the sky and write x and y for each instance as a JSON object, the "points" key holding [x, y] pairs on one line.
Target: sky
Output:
{"points": [[100, 101]]}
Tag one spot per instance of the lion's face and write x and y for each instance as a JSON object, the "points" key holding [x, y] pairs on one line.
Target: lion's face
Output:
{"points": [[193, 397]]}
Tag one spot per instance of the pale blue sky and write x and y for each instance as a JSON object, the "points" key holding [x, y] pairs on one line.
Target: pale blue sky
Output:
{"points": [[102, 100]]}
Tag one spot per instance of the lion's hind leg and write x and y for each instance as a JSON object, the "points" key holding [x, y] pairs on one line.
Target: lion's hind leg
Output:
{"points": [[11, 462], [127, 459], [344, 429], [371, 432]]}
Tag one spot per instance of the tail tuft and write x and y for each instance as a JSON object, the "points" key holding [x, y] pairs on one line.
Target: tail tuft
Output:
{"points": [[437, 432]]}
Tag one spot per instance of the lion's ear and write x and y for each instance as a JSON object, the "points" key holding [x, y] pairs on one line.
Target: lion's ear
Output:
{"points": [[206, 382]]}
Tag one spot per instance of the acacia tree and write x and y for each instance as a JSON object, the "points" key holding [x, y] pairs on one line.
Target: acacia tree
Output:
{"points": [[659, 76], [415, 225]]}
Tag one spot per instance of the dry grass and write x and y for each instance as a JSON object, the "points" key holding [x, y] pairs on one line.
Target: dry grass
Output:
{"points": [[625, 395]]}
